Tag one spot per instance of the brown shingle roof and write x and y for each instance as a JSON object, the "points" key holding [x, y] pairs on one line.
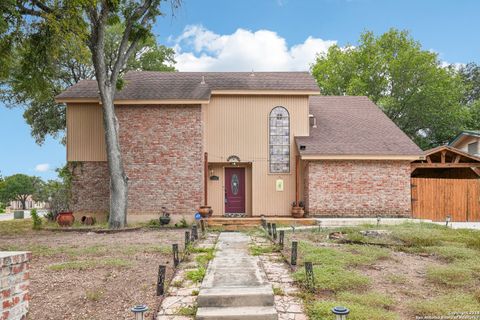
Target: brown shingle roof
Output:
{"points": [[150, 85], [349, 125]]}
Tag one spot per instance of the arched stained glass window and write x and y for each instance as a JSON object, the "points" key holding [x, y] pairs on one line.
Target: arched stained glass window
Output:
{"points": [[279, 140]]}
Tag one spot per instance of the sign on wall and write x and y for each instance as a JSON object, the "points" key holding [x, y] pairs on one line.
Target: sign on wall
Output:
{"points": [[279, 185]]}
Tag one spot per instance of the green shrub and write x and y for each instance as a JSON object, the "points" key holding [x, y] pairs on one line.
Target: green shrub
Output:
{"points": [[182, 223], [36, 219]]}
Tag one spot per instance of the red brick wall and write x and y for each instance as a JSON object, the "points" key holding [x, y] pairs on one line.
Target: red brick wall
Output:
{"points": [[358, 188], [14, 285], [163, 157]]}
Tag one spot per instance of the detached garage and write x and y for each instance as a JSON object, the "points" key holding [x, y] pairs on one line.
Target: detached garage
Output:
{"points": [[446, 183]]}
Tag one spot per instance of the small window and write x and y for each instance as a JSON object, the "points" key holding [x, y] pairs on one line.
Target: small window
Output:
{"points": [[279, 140], [473, 148]]}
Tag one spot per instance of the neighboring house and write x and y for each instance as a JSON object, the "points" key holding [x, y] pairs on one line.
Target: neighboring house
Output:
{"points": [[29, 204], [244, 143], [467, 141]]}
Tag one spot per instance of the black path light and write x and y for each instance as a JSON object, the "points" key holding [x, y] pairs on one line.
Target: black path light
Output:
{"points": [[138, 311], [281, 238], [176, 259], [379, 218], [187, 239], [264, 223], [309, 276], [274, 231], [162, 271], [340, 313], [293, 261], [447, 220], [194, 233], [269, 228], [202, 226]]}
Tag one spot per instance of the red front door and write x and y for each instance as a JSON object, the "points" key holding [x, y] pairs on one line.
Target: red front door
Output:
{"points": [[234, 190]]}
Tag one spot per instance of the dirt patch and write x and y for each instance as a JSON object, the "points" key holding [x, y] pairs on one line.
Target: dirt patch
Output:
{"points": [[402, 277], [94, 276]]}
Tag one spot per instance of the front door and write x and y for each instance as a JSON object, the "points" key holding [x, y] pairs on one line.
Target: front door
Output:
{"points": [[234, 190]]}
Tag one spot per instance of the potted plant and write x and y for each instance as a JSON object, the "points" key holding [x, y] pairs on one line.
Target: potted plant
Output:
{"points": [[65, 218], [297, 210], [205, 211], [165, 217]]}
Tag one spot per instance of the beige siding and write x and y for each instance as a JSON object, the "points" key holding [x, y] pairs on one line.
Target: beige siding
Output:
{"points": [[238, 125], [463, 143], [85, 134]]}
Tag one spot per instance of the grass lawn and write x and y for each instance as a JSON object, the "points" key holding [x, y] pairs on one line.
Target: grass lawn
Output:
{"points": [[80, 275], [412, 270]]}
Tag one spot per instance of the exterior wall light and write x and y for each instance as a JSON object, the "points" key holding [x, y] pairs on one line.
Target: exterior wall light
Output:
{"points": [[139, 311], [340, 313]]}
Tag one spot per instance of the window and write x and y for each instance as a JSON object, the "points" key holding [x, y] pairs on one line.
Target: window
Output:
{"points": [[473, 148], [279, 140]]}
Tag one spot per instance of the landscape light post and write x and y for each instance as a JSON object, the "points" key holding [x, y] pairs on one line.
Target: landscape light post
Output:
{"points": [[138, 311], [340, 313]]}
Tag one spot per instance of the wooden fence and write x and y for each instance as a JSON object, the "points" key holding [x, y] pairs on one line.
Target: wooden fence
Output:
{"points": [[436, 199]]}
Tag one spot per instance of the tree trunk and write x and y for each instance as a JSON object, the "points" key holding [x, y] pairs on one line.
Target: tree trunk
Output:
{"points": [[118, 179]]}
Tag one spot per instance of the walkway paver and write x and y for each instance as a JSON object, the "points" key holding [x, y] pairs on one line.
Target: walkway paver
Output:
{"points": [[235, 286]]}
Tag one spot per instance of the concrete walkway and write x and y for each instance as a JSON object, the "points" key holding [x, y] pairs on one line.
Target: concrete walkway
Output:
{"points": [[235, 286]]}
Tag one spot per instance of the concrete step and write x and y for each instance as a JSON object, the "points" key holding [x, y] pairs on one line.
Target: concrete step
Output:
{"points": [[238, 297], [237, 313]]}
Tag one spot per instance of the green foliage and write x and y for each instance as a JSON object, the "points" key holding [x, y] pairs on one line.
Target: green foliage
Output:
{"points": [[196, 275], [186, 311], [410, 84], [450, 276], [335, 278], [19, 187], [321, 310], [36, 219], [203, 259], [45, 49], [90, 264], [445, 304], [182, 223], [256, 250]]}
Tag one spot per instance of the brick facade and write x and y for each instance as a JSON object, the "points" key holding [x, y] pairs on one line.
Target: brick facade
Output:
{"points": [[162, 149], [14, 285], [358, 188]]}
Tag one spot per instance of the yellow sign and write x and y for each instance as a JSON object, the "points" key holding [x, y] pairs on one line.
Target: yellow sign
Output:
{"points": [[279, 184]]}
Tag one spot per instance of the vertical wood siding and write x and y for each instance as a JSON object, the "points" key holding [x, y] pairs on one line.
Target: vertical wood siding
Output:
{"points": [[238, 125], [85, 134], [437, 198]]}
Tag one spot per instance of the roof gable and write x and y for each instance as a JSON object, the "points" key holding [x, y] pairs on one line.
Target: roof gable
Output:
{"points": [[472, 133], [349, 126]]}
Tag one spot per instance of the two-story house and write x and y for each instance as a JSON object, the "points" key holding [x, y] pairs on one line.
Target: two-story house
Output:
{"points": [[244, 143], [467, 141]]}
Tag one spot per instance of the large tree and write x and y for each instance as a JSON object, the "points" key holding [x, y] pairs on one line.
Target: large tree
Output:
{"points": [[470, 74], [410, 84], [34, 81], [19, 187], [40, 25]]}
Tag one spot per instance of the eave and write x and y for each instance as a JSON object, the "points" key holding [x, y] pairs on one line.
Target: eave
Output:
{"points": [[361, 157], [133, 102]]}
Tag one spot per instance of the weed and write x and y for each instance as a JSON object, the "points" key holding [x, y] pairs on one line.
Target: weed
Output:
{"points": [[187, 311], [322, 310], [201, 250], [256, 250], [195, 292], [94, 295], [182, 223], [203, 259], [36, 219], [196, 275], [397, 278], [335, 278], [177, 284], [278, 291], [90, 264], [371, 299]]}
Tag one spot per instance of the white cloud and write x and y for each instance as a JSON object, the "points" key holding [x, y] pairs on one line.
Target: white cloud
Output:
{"points": [[199, 49], [42, 167]]}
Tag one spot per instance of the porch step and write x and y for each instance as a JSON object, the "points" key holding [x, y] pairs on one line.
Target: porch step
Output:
{"points": [[239, 296], [237, 313]]}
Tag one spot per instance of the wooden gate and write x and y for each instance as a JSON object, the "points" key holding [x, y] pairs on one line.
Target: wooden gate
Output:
{"points": [[435, 199]]}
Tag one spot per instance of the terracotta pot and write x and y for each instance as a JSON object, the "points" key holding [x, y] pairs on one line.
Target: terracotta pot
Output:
{"points": [[205, 211], [65, 219], [297, 212], [88, 220]]}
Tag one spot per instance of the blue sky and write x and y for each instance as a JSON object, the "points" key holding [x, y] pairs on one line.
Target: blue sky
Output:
{"points": [[269, 35]]}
